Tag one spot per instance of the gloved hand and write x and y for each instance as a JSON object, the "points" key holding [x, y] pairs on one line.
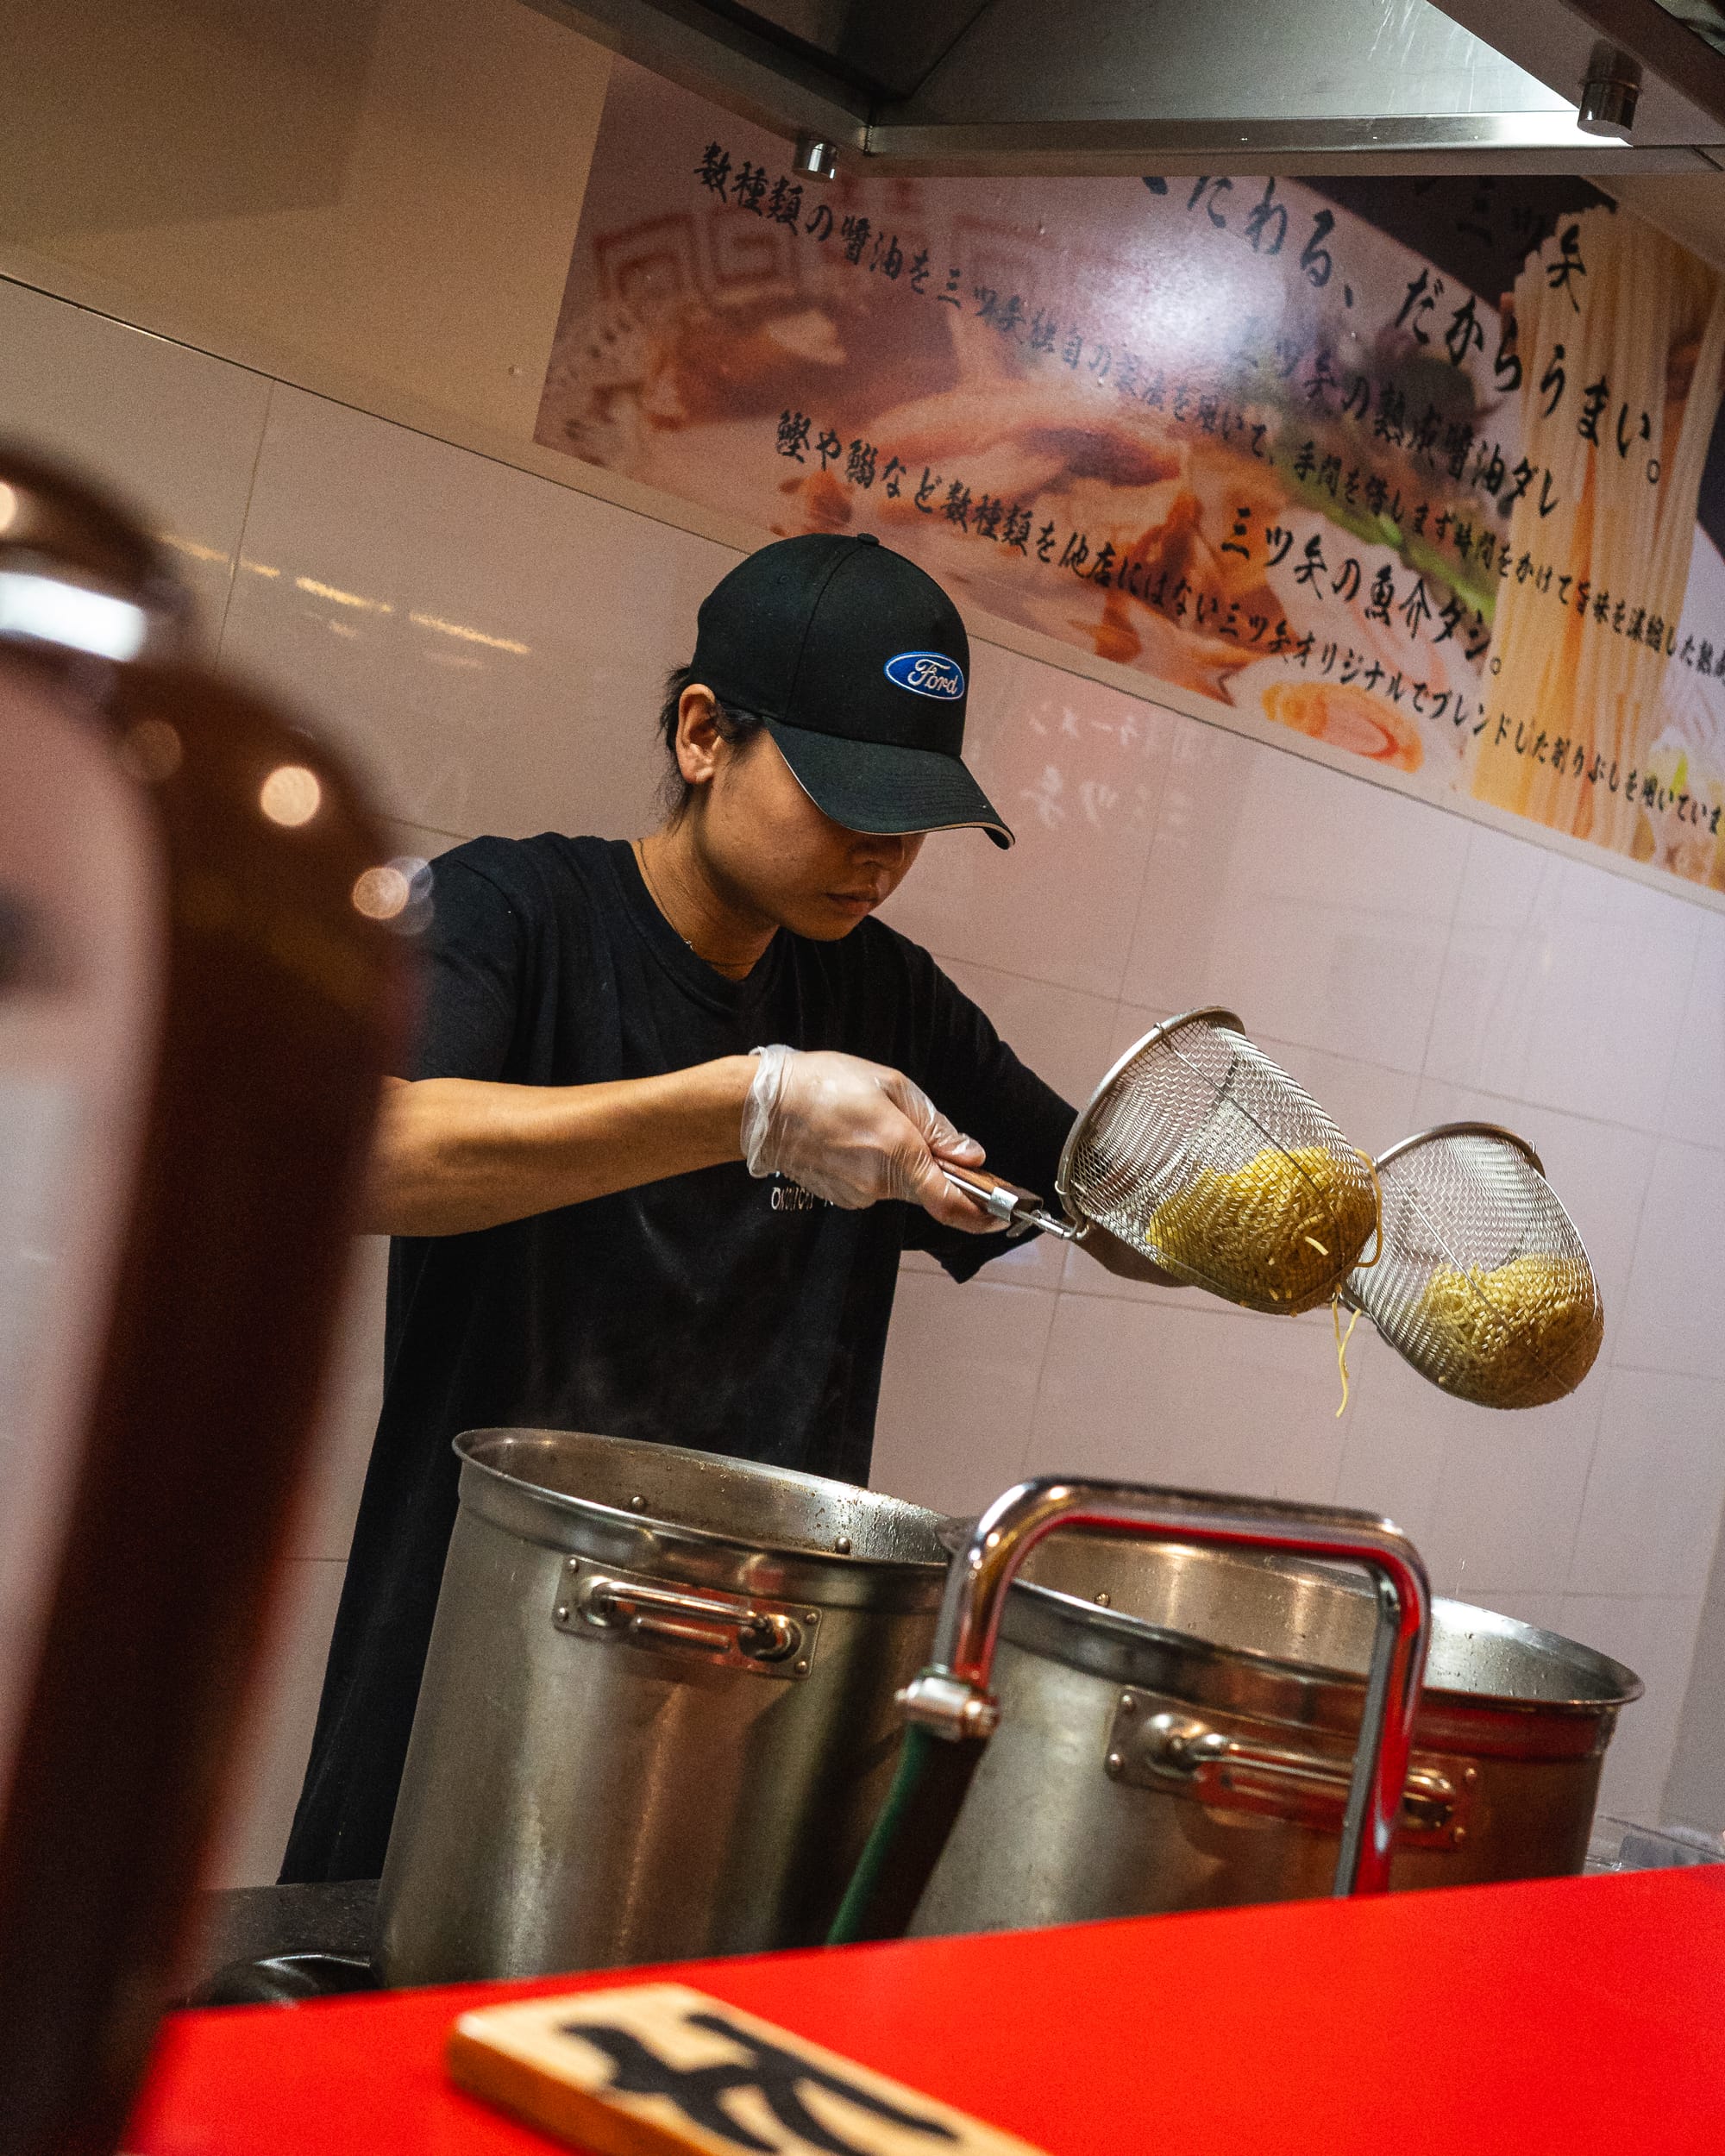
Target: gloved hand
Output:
{"points": [[855, 1132]]}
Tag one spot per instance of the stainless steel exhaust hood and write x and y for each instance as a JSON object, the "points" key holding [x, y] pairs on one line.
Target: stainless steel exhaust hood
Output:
{"points": [[1085, 86]]}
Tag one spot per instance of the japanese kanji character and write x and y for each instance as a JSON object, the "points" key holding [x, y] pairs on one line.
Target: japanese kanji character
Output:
{"points": [[1465, 335], [748, 189], [1489, 472], [1644, 433], [1561, 274], [859, 464], [1257, 225], [957, 506], [1458, 441], [793, 434], [785, 203], [1392, 412], [1242, 525], [1307, 571], [1315, 257], [714, 169], [1506, 368], [1075, 553], [854, 234]]}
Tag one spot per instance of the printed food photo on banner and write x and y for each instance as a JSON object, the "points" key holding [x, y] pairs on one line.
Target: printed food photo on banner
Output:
{"points": [[1427, 470]]}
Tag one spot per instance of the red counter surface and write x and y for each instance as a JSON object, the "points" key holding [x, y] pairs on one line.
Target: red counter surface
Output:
{"points": [[1571, 2015]]}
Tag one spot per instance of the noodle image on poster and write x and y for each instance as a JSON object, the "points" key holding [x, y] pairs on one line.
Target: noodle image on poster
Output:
{"points": [[1429, 471]]}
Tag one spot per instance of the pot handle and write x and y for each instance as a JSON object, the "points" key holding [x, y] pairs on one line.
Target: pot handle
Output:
{"points": [[1228, 1771], [950, 1698]]}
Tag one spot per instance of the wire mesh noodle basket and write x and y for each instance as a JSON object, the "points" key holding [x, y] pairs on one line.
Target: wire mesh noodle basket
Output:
{"points": [[1483, 1282], [1200, 1152]]}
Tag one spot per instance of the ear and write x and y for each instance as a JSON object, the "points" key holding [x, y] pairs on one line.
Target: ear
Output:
{"points": [[700, 747]]}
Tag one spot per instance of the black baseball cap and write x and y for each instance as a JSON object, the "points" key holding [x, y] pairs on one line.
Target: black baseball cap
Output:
{"points": [[858, 664]]}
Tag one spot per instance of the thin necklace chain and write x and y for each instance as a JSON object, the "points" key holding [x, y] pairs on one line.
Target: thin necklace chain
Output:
{"points": [[640, 852], [653, 894]]}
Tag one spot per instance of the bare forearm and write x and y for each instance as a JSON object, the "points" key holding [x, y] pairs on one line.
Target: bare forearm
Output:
{"points": [[453, 1155]]}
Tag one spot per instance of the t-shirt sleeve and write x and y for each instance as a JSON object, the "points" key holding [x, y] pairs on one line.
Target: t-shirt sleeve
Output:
{"points": [[471, 964], [976, 1079]]}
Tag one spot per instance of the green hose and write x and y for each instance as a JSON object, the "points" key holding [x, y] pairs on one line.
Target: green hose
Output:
{"points": [[898, 1860]]}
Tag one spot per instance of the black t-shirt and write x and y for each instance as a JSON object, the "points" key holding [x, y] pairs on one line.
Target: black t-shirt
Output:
{"points": [[710, 1309]]}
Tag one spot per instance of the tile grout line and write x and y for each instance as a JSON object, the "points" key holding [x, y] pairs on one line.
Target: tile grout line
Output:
{"points": [[245, 515], [1424, 1071], [1688, 998]]}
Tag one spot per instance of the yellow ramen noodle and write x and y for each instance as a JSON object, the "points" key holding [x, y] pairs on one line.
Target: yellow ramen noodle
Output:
{"points": [[1282, 1233], [1516, 1335]]}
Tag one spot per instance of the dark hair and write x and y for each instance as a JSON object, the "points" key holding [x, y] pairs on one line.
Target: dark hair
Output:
{"points": [[734, 727]]}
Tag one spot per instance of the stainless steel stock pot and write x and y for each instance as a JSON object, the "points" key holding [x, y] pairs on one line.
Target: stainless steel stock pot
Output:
{"points": [[1178, 1723], [657, 1715]]}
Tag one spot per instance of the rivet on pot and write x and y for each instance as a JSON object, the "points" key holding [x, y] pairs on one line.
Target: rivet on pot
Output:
{"points": [[638, 1504], [802, 1669], [1105, 1598], [1458, 1835], [811, 1616], [1114, 1764], [1128, 1704], [562, 1612], [843, 1545]]}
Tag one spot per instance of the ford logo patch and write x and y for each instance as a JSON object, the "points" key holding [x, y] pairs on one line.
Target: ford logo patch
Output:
{"points": [[926, 674]]}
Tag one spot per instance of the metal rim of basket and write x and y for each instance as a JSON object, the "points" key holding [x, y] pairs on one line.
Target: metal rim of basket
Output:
{"points": [[1459, 1130], [1208, 1013], [1464, 1129], [1204, 1015], [1427, 1137]]}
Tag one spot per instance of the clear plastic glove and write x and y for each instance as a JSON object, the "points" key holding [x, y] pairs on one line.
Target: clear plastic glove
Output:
{"points": [[854, 1132]]}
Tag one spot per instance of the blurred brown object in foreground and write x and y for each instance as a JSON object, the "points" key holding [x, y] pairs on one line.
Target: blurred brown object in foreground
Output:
{"points": [[200, 1000]]}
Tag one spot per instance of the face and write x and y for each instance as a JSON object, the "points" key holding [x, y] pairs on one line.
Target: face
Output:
{"points": [[768, 850]]}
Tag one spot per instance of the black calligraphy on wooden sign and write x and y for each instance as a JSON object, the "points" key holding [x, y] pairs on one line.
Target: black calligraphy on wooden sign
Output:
{"points": [[661, 2070]]}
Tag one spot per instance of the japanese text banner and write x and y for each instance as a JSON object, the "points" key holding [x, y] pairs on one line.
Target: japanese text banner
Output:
{"points": [[1421, 469]]}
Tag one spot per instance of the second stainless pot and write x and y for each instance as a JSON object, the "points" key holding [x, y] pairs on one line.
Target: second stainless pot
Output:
{"points": [[1177, 1726], [658, 1716]]}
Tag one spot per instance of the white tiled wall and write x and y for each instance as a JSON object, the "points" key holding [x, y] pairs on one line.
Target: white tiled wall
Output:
{"points": [[490, 645]]}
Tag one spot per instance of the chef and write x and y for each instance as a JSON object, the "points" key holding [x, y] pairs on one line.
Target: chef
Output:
{"points": [[677, 1108]]}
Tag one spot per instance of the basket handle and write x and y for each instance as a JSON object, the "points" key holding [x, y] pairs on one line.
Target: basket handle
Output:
{"points": [[1021, 1209]]}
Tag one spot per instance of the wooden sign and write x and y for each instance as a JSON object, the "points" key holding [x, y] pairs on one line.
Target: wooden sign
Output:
{"points": [[660, 2070]]}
